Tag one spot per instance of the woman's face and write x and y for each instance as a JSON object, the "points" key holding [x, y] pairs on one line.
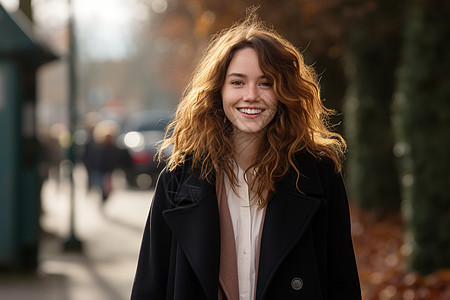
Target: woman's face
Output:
{"points": [[248, 97]]}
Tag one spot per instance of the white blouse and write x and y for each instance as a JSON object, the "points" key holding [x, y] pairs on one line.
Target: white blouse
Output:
{"points": [[247, 220]]}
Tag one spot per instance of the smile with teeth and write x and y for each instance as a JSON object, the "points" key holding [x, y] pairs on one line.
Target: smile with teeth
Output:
{"points": [[251, 111]]}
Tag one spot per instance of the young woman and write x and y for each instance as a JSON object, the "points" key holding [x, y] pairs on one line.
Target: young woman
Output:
{"points": [[251, 204]]}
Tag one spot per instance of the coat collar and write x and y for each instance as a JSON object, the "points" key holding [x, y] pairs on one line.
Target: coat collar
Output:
{"points": [[195, 224], [288, 215]]}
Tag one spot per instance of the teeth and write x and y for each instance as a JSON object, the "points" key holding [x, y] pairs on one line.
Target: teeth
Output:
{"points": [[250, 111]]}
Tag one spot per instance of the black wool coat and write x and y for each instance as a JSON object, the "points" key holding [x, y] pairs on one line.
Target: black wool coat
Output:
{"points": [[306, 249]]}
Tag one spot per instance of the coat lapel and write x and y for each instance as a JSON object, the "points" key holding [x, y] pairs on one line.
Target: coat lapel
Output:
{"points": [[228, 273], [288, 214], [195, 225]]}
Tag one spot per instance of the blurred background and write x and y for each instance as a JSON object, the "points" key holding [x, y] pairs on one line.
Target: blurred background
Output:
{"points": [[88, 86]]}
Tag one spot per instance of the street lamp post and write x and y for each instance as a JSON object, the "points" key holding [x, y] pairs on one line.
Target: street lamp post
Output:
{"points": [[72, 243]]}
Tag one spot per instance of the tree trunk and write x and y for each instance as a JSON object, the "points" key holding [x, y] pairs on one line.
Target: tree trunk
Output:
{"points": [[370, 61], [422, 122]]}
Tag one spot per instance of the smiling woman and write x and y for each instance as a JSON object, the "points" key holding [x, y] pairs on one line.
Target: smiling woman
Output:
{"points": [[251, 204]]}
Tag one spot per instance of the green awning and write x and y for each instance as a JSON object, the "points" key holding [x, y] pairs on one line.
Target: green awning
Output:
{"points": [[18, 41]]}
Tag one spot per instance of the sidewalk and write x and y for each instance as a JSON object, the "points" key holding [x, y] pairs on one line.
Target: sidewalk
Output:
{"points": [[110, 237]]}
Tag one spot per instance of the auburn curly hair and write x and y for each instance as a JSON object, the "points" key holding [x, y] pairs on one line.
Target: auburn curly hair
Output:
{"points": [[201, 131]]}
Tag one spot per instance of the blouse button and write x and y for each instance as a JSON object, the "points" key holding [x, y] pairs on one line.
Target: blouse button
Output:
{"points": [[297, 284]]}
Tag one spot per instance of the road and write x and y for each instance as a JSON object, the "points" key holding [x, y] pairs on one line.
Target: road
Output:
{"points": [[110, 233]]}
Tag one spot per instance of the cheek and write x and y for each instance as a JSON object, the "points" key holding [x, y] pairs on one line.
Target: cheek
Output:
{"points": [[273, 113], [272, 102], [226, 103], [273, 106]]}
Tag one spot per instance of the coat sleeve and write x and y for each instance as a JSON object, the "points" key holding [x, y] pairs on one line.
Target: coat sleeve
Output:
{"points": [[150, 281], [343, 280]]}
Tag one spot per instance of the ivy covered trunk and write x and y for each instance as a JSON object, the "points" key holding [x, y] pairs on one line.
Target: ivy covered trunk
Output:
{"points": [[370, 62], [422, 121]]}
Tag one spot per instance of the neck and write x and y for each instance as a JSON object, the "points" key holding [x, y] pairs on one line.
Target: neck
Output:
{"points": [[245, 148]]}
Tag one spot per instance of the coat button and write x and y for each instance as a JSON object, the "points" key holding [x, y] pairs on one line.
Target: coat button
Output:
{"points": [[297, 284]]}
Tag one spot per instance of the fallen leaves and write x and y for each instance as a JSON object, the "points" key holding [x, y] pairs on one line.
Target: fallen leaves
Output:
{"points": [[380, 253]]}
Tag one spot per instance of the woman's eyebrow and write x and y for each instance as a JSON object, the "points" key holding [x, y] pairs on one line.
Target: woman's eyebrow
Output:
{"points": [[236, 75], [244, 76]]}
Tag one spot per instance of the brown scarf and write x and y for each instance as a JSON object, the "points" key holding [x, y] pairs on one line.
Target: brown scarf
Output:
{"points": [[228, 272]]}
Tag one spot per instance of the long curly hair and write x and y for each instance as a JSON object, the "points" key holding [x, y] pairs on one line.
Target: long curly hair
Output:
{"points": [[200, 130]]}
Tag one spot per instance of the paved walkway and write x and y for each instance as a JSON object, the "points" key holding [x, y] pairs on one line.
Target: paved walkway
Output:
{"points": [[110, 236]]}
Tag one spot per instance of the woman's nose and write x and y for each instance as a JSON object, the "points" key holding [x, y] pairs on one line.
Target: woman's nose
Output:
{"points": [[252, 93]]}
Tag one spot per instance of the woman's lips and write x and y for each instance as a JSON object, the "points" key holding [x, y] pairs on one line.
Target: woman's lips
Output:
{"points": [[250, 111]]}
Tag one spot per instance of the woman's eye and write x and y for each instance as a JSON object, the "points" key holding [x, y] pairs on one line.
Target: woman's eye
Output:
{"points": [[237, 83], [266, 84]]}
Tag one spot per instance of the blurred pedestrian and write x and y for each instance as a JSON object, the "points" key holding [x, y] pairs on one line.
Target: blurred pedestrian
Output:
{"points": [[251, 204], [102, 156], [52, 151], [90, 147]]}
